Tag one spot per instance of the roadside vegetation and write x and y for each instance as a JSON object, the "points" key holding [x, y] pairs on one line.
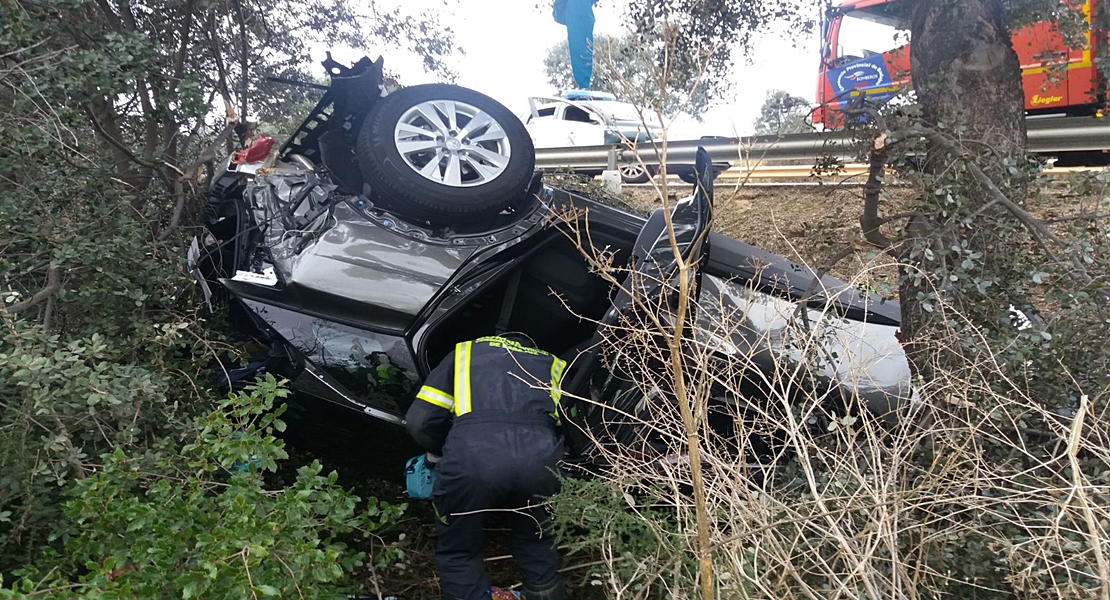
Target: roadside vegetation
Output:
{"points": [[127, 471], [988, 481]]}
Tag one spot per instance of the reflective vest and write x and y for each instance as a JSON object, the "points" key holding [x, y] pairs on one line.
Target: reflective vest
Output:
{"points": [[496, 375]]}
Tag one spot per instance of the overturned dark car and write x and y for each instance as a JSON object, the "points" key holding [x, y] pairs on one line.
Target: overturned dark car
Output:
{"points": [[390, 227]]}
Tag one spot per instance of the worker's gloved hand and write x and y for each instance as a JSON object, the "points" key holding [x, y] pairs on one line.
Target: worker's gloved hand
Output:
{"points": [[419, 477], [432, 460]]}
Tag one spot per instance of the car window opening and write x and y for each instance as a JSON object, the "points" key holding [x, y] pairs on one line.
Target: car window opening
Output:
{"points": [[557, 300], [573, 113]]}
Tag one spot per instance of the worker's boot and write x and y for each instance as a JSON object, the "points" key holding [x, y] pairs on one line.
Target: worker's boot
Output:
{"points": [[554, 592], [496, 593]]}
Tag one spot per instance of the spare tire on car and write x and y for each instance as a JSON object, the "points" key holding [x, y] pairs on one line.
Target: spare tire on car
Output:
{"points": [[445, 154]]}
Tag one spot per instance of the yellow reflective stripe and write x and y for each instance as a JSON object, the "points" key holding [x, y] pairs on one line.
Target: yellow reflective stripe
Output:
{"points": [[462, 378], [557, 367], [439, 398]]}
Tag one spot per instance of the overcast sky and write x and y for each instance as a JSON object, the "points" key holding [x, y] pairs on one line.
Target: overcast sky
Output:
{"points": [[505, 42]]}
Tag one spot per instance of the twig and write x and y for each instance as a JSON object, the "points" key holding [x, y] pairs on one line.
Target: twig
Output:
{"points": [[78, 470], [1036, 227], [830, 262], [118, 145], [1094, 533], [901, 215], [189, 174], [595, 563], [1083, 217], [292, 575], [247, 569]]}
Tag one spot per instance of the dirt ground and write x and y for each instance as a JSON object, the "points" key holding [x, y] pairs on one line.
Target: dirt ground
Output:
{"points": [[813, 222]]}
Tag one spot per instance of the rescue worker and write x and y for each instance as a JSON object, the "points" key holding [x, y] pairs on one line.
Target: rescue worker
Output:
{"points": [[490, 410]]}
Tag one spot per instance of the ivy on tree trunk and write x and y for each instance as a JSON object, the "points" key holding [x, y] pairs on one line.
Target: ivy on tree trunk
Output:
{"points": [[967, 79]]}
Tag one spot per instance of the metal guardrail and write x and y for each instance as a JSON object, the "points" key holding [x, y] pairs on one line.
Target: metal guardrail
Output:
{"points": [[1046, 135], [802, 175]]}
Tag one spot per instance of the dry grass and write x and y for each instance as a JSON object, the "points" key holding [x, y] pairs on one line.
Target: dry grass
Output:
{"points": [[964, 492], [972, 489]]}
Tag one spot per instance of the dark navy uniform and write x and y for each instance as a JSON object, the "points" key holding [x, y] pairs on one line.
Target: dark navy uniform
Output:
{"points": [[491, 410]]}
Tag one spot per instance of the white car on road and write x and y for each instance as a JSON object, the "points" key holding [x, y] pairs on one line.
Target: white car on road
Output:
{"points": [[588, 118]]}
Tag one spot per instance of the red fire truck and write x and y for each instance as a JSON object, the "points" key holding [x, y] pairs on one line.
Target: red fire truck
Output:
{"points": [[866, 50]]}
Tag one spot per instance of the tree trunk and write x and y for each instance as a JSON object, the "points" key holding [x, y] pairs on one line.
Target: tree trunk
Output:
{"points": [[965, 71], [968, 83], [1100, 51]]}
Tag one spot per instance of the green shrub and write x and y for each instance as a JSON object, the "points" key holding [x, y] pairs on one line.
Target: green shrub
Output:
{"points": [[204, 524]]}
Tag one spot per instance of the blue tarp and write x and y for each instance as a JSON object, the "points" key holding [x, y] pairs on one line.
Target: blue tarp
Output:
{"points": [[578, 16]]}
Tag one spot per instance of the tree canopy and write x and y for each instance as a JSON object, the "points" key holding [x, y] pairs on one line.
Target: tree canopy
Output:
{"points": [[781, 114], [623, 69], [109, 109], [677, 55], [704, 39]]}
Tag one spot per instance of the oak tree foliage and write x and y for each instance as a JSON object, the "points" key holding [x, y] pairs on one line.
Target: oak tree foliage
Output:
{"points": [[620, 65], [113, 113], [781, 114]]}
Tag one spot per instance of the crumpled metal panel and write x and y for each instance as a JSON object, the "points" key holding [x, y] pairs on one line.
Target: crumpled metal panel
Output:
{"points": [[341, 263], [385, 273], [655, 258], [862, 359], [280, 205]]}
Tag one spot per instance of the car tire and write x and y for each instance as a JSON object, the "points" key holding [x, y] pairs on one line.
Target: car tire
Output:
{"points": [[635, 173], [422, 159]]}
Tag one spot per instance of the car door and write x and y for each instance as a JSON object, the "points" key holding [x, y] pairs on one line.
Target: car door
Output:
{"points": [[544, 127], [651, 285], [582, 126], [656, 264], [568, 125]]}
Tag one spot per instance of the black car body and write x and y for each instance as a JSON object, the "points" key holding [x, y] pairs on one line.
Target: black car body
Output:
{"points": [[357, 299]]}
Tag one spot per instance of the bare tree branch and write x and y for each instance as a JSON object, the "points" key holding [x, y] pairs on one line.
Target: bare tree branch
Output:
{"points": [[869, 220], [190, 174], [53, 286], [244, 58]]}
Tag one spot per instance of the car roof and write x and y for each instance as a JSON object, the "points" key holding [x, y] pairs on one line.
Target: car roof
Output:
{"points": [[587, 95], [606, 107]]}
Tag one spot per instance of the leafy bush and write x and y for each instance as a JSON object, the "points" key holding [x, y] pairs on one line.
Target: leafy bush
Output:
{"points": [[202, 523], [104, 359], [637, 536]]}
